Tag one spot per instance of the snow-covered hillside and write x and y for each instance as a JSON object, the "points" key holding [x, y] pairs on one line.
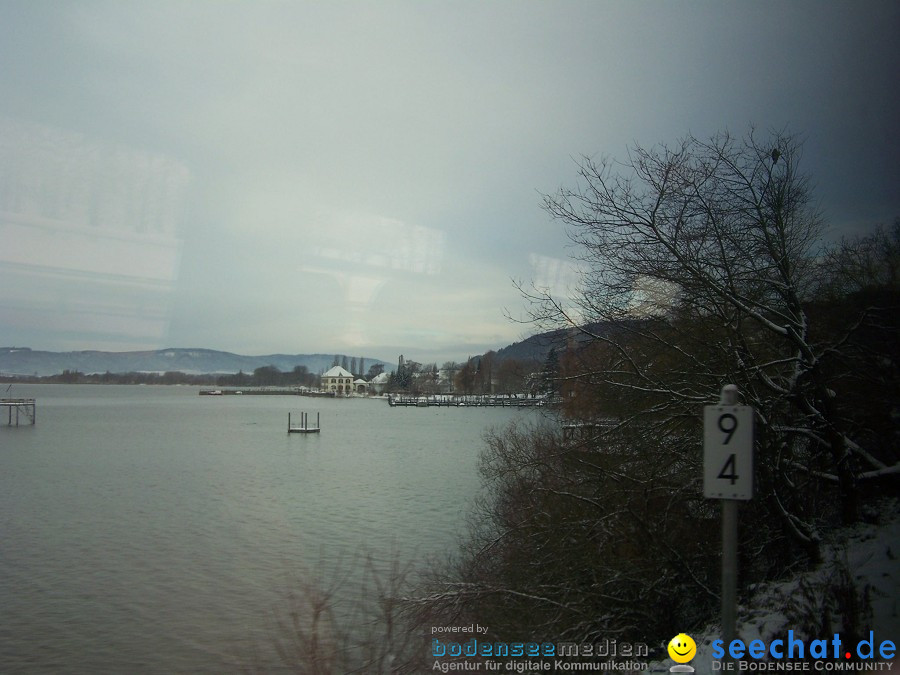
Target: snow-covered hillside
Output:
{"points": [[813, 604]]}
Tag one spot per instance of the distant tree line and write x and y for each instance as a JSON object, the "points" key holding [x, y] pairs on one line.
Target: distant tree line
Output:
{"points": [[77, 377], [270, 376], [352, 364], [264, 376], [485, 374], [488, 374]]}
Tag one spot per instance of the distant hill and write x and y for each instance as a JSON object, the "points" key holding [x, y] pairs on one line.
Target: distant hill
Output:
{"points": [[534, 348], [24, 361], [537, 347]]}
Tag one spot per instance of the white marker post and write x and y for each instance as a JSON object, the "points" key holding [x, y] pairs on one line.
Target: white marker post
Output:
{"points": [[728, 475]]}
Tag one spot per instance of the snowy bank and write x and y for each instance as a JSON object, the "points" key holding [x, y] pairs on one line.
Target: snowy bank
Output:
{"points": [[855, 590]]}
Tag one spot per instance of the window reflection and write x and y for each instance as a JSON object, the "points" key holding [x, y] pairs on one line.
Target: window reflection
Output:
{"points": [[90, 237]]}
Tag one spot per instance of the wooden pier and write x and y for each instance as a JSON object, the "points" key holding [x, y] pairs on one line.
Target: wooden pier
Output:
{"points": [[479, 401], [266, 391], [23, 406], [303, 427]]}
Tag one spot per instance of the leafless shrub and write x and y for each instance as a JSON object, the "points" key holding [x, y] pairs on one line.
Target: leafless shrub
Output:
{"points": [[355, 622]]}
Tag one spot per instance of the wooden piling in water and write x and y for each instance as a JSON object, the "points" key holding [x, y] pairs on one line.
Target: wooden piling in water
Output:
{"points": [[26, 406], [304, 427]]}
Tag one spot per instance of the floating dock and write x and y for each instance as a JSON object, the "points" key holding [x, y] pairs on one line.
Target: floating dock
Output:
{"points": [[22, 406], [450, 401], [249, 391], [303, 427]]}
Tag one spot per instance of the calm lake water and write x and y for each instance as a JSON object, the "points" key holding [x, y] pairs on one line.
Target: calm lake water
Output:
{"points": [[152, 530]]}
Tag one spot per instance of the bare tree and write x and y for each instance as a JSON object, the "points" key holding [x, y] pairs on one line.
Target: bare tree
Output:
{"points": [[706, 257], [703, 265]]}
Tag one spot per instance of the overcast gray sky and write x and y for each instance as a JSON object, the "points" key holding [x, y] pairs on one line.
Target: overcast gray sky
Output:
{"points": [[364, 177]]}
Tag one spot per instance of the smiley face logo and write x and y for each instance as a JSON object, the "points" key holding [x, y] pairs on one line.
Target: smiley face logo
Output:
{"points": [[682, 648]]}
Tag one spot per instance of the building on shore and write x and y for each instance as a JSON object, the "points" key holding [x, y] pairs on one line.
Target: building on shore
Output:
{"points": [[379, 383], [338, 380]]}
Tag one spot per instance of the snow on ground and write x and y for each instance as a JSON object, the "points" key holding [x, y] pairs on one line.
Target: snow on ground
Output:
{"points": [[871, 554]]}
